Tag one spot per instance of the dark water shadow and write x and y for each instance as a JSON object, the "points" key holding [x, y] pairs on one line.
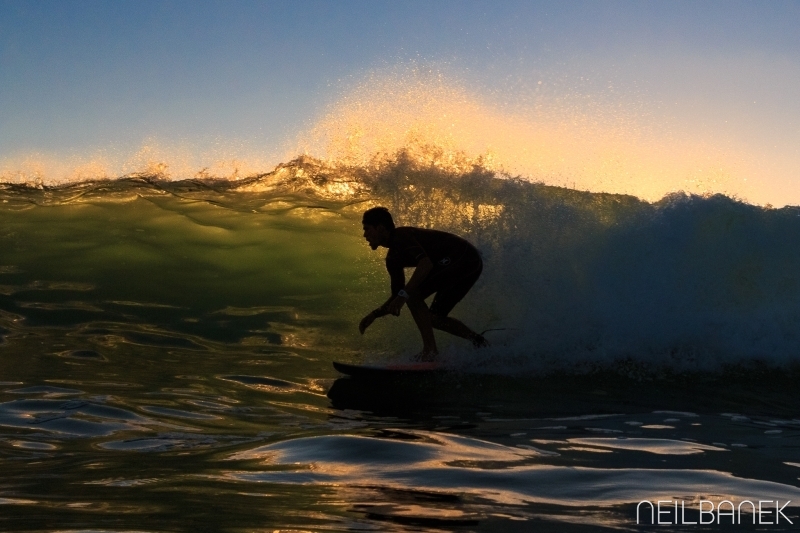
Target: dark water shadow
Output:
{"points": [[751, 391]]}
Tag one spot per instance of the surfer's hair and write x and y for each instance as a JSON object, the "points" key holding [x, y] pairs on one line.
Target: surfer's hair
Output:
{"points": [[378, 216]]}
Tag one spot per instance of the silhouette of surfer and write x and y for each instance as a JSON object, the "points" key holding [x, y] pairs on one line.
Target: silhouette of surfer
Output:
{"points": [[445, 264]]}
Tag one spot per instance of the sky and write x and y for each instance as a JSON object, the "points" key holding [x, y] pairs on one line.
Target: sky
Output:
{"points": [[665, 87]]}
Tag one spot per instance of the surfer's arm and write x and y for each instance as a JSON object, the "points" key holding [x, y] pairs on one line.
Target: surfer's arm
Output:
{"points": [[384, 309], [375, 313], [424, 268]]}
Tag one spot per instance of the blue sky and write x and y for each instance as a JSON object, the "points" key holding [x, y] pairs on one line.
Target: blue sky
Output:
{"points": [[82, 75]]}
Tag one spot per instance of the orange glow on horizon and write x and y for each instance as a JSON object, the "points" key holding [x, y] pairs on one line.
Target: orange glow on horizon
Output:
{"points": [[578, 141], [584, 145]]}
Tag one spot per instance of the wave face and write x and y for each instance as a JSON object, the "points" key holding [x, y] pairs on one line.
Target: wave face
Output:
{"points": [[573, 279]]}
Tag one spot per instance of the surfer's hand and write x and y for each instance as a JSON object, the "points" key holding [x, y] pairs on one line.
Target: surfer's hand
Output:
{"points": [[396, 305], [366, 322]]}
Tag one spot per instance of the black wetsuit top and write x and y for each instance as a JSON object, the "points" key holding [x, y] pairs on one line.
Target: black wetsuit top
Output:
{"points": [[453, 258]]}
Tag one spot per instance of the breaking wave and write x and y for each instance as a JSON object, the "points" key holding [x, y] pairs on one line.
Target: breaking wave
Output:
{"points": [[574, 278]]}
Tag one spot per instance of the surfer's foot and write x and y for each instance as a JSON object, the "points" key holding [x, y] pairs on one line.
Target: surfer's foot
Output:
{"points": [[479, 341]]}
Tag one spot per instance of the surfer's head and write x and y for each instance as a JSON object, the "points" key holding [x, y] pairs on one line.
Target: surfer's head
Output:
{"points": [[378, 226]]}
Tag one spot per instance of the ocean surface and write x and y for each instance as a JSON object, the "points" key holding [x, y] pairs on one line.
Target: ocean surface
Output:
{"points": [[166, 350]]}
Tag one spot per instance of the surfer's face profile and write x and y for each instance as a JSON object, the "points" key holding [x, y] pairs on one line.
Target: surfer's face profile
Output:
{"points": [[376, 235]]}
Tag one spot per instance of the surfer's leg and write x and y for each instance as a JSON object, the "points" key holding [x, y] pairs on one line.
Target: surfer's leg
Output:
{"points": [[423, 317], [448, 296], [455, 327]]}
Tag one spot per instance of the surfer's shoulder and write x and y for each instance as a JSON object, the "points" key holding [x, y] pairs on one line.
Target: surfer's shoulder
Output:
{"points": [[401, 236]]}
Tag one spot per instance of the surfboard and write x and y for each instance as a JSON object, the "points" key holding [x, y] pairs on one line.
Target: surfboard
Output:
{"points": [[390, 370]]}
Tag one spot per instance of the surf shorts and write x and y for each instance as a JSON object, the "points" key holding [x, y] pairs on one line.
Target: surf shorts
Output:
{"points": [[451, 284]]}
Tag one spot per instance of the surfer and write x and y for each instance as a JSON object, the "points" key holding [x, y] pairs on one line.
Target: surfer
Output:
{"points": [[444, 263]]}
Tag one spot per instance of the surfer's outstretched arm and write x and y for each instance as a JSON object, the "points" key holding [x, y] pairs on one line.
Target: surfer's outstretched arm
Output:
{"points": [[375, 313], [395, 302]]}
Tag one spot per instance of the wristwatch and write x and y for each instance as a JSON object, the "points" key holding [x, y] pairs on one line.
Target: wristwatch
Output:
{"points": [[404, 294]]}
